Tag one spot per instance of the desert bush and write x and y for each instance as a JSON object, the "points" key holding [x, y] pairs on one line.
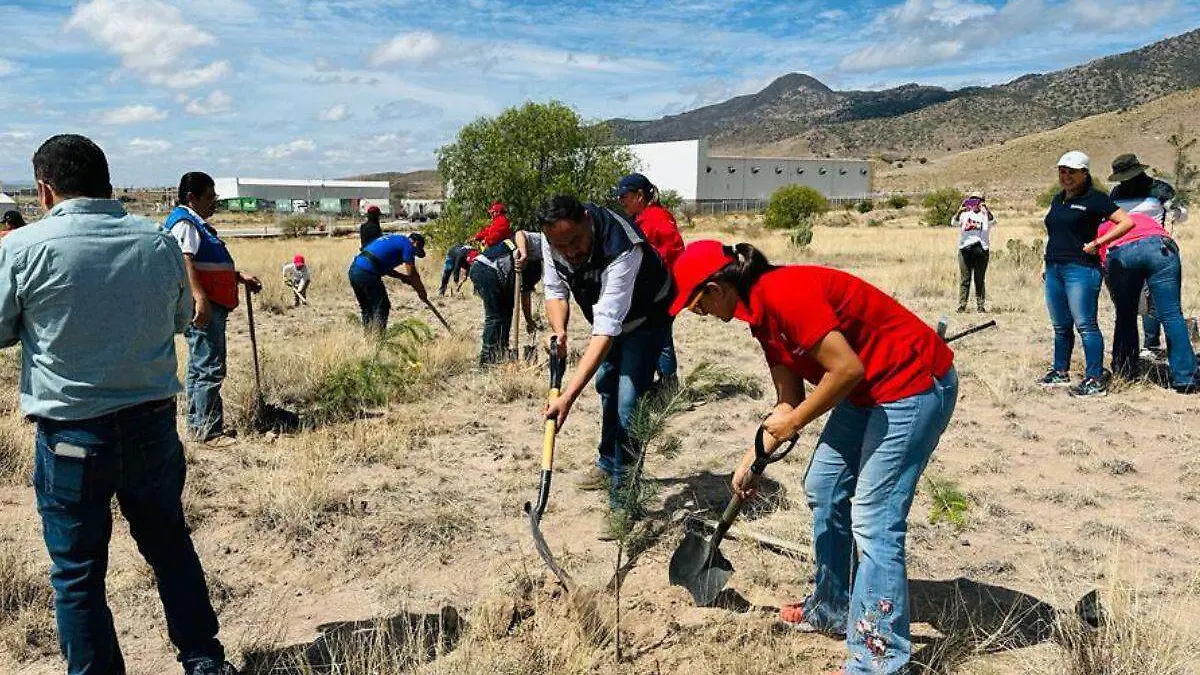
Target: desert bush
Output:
{"points": [[949, 502], [670, 200], [941, 205], [865, 206], [800, 237], [897, 201], [875, 222], [26, 620], [1022, 256], [16, 452], [298, 225], [794, 207]]}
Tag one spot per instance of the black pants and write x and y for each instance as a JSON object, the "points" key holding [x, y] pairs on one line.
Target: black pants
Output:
{"points": [[498, 299], [972, 262], [372, 298]]}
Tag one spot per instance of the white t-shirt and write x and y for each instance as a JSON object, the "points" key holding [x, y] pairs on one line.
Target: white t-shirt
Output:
{"points": [[187, 234], [979, 233]]}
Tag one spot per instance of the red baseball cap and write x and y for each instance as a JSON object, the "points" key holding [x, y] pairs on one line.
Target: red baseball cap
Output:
{"points": [[497, 207], [298, 260], [699, 261], [373, 211]]}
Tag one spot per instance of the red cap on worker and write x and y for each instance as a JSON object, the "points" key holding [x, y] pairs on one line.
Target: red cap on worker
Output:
{"points": [[372, 210], [497, 207], [699, 261], [298, 261]]}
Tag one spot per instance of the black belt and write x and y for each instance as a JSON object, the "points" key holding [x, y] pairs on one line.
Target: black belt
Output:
{"points": [[375, 262], [136, 409]]}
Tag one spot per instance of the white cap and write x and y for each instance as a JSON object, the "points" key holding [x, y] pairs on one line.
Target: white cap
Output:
{"points": [[1074, 160]]}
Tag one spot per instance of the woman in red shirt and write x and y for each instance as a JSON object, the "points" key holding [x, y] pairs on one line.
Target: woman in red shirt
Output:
{"points": [[639, 198], [891, 384]]}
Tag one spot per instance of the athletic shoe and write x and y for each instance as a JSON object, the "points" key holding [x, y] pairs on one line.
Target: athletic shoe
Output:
{"points": [[595, 479], [1055, 378], [220, 441], [1152, 354], [210, 667], [1091, 387], [793, 617]]}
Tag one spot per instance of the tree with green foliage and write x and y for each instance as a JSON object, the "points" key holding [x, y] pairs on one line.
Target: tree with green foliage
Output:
{"points": [[1184, 174], [941, 205], [521, 157], [795, 207], [670, 200]]}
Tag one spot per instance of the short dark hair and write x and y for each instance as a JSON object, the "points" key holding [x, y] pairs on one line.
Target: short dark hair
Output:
{"points": [[73, 166], [560, 207], [195, 183], [13, 220]]}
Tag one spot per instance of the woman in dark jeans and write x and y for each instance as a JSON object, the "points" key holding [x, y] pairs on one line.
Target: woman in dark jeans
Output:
{"points": [[1073, 273], [1147, 256], [493, 276]]}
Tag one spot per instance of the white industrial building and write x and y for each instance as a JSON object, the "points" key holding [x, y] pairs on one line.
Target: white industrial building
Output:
{"points": [[700, 178], [318, 196]]}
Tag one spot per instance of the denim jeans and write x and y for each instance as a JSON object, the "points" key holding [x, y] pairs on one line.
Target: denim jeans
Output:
{"points": [[372, 296], [972, 264], [498, 301], [1151, 327], [860, 486], [1072, 297], [624, 376], [1152, 262], [668, 364], [134, 454], [205, 373]]}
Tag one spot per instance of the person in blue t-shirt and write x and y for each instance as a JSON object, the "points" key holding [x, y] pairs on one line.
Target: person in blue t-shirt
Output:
{"points": [[1073, 272], [378, 259]]}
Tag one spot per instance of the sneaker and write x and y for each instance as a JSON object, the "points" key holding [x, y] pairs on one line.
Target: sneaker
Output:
{"points": [[210, 667], [1055, 378], [792, 616], [961, 309], [220, 441], [1192, 388], [1152, 354], [595, 479], [1091, 387]]}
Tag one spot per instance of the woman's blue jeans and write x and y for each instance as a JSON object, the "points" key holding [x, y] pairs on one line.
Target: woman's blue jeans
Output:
{"points": [[860, 486], [1072, 297], [1152, 262]]}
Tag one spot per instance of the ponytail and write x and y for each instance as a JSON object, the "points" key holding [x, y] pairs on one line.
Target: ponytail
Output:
{"points": [[749, 264]]}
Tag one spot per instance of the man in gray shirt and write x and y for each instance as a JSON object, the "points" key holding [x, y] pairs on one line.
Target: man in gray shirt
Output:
{"points": [[95, 297]]}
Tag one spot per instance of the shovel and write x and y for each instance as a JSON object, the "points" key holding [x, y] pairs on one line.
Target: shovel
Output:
{"points": [[558, 367], [264, 416], [515, 328], [698, 564], [438, 315]]}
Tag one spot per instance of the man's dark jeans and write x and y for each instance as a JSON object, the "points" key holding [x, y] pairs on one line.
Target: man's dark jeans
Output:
{"points": [[134, 454], [972, 263], [498, 301], [373, 302]]}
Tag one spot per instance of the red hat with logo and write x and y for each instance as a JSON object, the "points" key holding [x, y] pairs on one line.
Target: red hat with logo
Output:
{"points": [[699, 261]]}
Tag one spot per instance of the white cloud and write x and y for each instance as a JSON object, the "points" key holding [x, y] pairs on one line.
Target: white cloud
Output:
{"points": [[133, 114], [1113, 16], [406, 48], [7, 67], [335, 114], [148, 146], [299, 145], [214, 104], [912, 52], [151, 38]]}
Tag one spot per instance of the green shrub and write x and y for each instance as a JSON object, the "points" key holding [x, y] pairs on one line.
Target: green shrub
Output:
{"points": [[298, 225], [670, 200], [897, 201], [874, 222], [941, 205], [865, 206], [950, 504], [801, 236], [793, 206]]}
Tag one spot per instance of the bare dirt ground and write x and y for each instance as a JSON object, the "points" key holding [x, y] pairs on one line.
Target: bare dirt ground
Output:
{"points": [[417, 506]]}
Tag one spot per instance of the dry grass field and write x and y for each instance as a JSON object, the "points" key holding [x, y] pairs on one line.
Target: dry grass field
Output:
{"points": [[402, 509]]}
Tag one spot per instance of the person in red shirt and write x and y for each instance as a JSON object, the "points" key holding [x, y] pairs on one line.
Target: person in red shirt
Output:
{"points": [[498, 230], [639, 198], [891, 384]]}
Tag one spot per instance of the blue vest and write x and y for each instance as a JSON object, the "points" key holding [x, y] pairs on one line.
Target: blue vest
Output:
{"points": [[213, 264], [612, 235]]}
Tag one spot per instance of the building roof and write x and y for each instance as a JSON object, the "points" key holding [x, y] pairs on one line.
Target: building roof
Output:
{"points": [[289, 182]]}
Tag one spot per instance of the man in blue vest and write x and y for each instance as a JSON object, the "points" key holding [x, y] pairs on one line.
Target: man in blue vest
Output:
{"points": [[95, 297], [377, 260], [214, 281], [623, 290]]}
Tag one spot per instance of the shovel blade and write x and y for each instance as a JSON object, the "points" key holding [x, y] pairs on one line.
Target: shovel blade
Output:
{"points": [[543, 549], [700, 568]]}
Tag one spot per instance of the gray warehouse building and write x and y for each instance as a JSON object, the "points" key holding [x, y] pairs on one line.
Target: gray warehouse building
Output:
{"points": [[701, 178], [344, 197]]}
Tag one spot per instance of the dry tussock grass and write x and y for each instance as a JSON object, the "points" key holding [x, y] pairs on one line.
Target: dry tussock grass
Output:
{"points": [[26, 607]]}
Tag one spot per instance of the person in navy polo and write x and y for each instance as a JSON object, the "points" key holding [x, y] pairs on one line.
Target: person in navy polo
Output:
{"points": [[623, 290], [377, 260]]}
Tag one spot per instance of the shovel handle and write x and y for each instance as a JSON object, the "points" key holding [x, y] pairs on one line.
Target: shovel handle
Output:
{"points": [[972, 329], [558, 368], [763, 458]]}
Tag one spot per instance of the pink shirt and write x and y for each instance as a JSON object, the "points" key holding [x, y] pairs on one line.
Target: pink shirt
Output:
{"points": [[1143, 226]]}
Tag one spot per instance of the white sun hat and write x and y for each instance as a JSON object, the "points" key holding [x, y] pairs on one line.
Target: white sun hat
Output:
{"points": [[1074, 160]]}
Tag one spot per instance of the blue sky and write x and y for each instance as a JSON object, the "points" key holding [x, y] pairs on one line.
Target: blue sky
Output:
{"points": [[329, 88]]}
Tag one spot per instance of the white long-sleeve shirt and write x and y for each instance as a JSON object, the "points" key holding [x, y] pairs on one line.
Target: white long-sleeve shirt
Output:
{"points": [[616, 288], [297, 276]]}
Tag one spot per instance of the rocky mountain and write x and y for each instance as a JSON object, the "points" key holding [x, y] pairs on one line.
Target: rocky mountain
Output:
{"points": [[423, 184], [798, 113]]}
